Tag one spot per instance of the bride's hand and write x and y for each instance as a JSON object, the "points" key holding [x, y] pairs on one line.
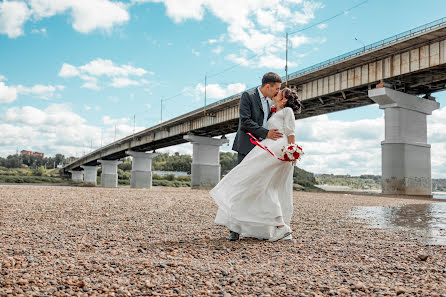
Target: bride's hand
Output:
{"points": [[293, 162]]}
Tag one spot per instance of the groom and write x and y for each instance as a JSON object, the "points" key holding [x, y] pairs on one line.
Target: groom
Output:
{"points": [[254, 113]]}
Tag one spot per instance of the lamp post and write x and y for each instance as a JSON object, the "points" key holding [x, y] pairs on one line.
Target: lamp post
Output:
{"points": [[161, 110], [286, 59], [363, 44]]}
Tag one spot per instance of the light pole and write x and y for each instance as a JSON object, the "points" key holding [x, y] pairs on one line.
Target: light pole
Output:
{"points": [[286, 59], [205, 87], [161, 110], [363, 44]]}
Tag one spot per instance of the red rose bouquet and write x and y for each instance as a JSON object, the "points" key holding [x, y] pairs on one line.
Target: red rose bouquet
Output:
{"points": [[292, 152]]}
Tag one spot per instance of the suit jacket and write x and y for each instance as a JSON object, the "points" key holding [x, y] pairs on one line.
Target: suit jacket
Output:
{"points": [[251, 120]]}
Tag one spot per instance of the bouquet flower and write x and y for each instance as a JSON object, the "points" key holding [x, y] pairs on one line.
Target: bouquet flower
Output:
{"points": [[292, 152]]}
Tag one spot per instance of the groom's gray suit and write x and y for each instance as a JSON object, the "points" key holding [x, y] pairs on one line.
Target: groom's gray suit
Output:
{"points": [[251, 120]]}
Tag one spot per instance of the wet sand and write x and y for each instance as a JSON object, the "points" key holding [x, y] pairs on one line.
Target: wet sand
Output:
{"points": [[61, 241]]}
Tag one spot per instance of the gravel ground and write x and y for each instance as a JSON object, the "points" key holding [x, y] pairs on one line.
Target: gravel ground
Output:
{"points": [[58, 241]]}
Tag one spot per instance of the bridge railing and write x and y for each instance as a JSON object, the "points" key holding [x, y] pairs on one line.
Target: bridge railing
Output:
{"points": [[385, 42]]}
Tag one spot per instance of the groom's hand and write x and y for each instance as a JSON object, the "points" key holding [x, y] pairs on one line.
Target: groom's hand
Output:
{"points": [[274, 134]]}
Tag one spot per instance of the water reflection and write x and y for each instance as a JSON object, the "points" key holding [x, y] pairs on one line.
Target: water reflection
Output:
{"points": [[424, 221]]}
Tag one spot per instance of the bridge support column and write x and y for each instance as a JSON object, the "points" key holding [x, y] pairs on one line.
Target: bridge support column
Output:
{"points": [[109, 175], [141, 169], [406, 156], [91, 173], [77, 176], [205, 161]]}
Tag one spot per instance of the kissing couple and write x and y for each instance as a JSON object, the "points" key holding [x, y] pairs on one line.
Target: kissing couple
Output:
{"points": [[255, 199]]}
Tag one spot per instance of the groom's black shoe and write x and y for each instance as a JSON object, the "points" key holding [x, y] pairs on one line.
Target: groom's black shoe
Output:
{"points": [[234, 236]]}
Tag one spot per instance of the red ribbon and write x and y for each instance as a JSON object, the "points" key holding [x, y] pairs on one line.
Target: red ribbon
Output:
{"points": [[255, 141]]}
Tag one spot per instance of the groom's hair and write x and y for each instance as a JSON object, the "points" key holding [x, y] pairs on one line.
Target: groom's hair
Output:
{"points": [[271, 78]]}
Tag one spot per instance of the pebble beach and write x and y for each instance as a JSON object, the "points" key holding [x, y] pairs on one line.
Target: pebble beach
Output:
{"points": [[92, 241]]}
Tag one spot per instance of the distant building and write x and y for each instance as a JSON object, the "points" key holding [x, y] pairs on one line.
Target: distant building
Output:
{"points": [[30, 153], [23, 152]]}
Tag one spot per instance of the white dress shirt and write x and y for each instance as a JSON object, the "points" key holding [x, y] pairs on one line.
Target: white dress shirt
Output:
{"points": [[265, 108]]}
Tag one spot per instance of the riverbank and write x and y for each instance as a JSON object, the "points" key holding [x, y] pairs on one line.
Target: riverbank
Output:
{"points": [[65, 241]]}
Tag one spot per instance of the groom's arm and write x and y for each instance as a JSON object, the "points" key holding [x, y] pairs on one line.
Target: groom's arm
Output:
{"points": [[246, 121]]}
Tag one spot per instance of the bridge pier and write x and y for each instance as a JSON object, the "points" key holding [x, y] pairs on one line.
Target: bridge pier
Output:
{"points": [[109, 175], [91, 173], [406, 156], [141, 176], [77, 176], [205, 160]]}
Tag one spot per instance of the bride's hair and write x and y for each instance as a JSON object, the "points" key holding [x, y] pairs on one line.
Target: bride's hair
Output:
{"points": [[293, 100]]}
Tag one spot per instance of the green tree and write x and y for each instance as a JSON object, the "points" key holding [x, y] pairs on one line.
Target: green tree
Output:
{"points": [[228, 161]]}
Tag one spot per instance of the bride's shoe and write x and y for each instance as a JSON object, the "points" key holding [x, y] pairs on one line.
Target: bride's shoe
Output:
{"points": [[280, 233]]}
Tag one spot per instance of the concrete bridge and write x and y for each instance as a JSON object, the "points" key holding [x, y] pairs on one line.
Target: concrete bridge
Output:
{"points": [[391, 73]]}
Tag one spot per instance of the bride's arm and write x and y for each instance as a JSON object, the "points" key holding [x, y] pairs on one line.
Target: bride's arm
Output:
{"points": [[290, 125]]}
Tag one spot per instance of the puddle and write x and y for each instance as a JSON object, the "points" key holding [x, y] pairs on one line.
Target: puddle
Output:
{"points": [[426, 222]]}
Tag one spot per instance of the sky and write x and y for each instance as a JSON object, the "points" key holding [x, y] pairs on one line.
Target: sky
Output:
{"points": [[79, 74]]}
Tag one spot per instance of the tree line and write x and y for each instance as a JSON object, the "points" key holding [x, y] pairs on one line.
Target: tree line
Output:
{"points": [[34, 161]]}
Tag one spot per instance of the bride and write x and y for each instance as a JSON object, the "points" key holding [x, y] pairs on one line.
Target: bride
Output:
{"points": [[255, 199]]}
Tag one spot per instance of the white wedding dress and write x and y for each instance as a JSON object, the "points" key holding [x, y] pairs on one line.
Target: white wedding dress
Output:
{"points": [[257, 195]]}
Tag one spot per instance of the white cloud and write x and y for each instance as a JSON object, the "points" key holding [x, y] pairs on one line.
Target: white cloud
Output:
{"points": [[7, 94], [214, 91], [259, 26], [86, 15], [219, 40], [340, 147], [180, 10], [101, 67], [149, 106], [121, 82], [217, 50], [95, 69], [68, 70], [266, 61], [196, 53], [90, 82], [107, 120], [13, 14], [44, 92], [56, 129], [322, 26], [55, 114], [39, 31]]}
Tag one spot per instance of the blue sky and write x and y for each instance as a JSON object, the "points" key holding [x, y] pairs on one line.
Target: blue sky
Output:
{"points": [[74, 72]]}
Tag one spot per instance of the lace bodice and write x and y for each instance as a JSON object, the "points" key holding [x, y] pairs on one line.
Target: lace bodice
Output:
{"points": [[284, 121]]}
